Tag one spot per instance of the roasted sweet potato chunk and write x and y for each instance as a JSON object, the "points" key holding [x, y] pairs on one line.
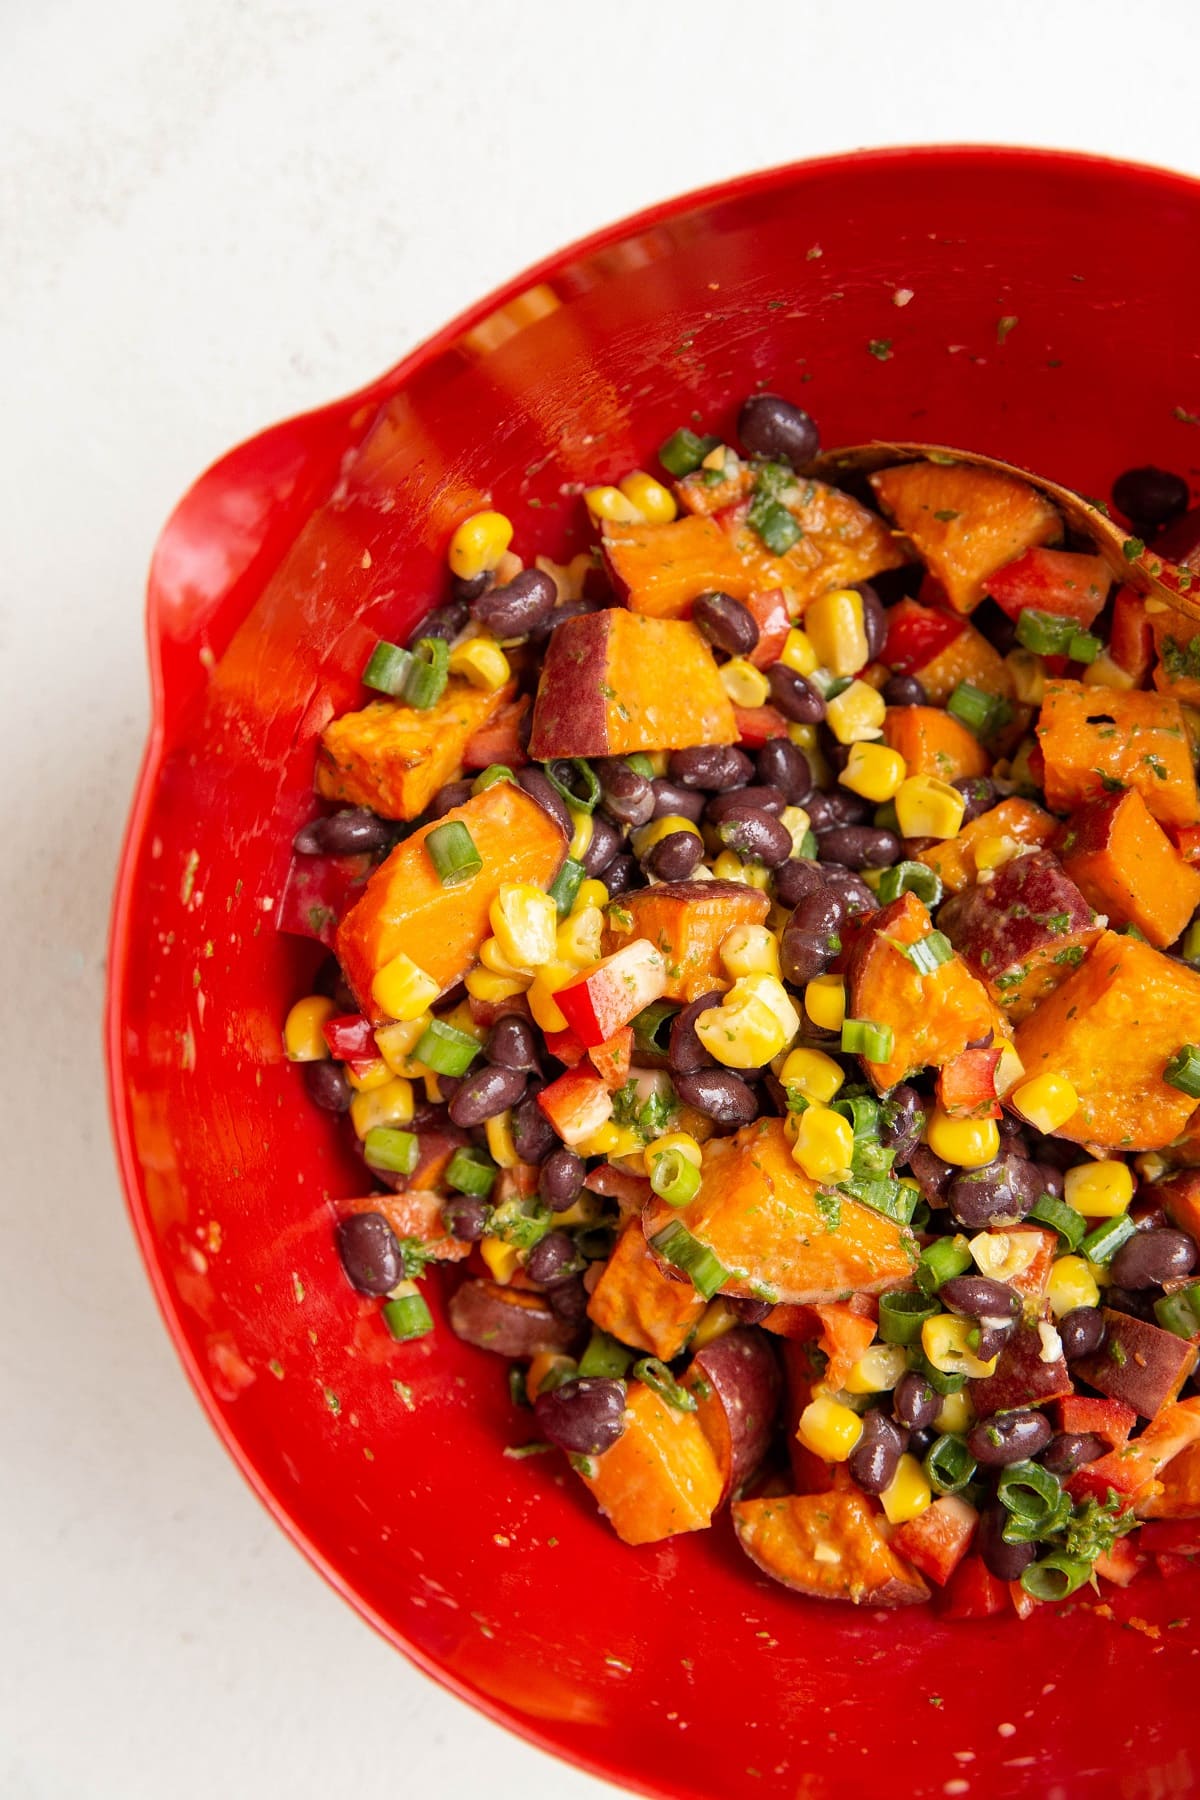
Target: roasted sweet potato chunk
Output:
{"points": [[1176, 1494], [1095, 740], [395, 758], [660, 569], [965, 522], [686, 921], [660, 1477], [1014, 818], [1022, 933], [1122, 860], [830, 1546], [637, 1303], [932, 742], [735, 1381]]}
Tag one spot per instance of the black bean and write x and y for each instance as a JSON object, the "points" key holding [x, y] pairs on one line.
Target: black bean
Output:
{"points": [[513, 611], [874, 620], [1150, 1258], [487, 1092], [933, 1174], [876, 1456], [766, 799], [1150, 496], [465, 1217], [996, 626], [561, 1179], [755, 835], [979, 1297], [770, 426], [712, 766], [569, 1299], [1008, 1437], [328, 1086], [726, 623], [1051, 1180], [810, 940], [783, 765], [454, 793], [570, 609], [685, 1052], [626, 796], [370, 1254], [1137, 1302], [536, 785], [1007, 1562], [604, 845], [621, 874], [351, 832], [922, 1441], [823, 815], [719, 1094], [851, 887], [796, 879], [796, 698], [585, 1416], [846, 808], [533, 1135], [674, 857], [446, 621], [902, 1121], [751, 1312], [1001, 1192], [914, 1402], [552, 1258], [1082, 1331], [993, 1335], [860, 847], [673, 801], [903, 690], [512, 1044], [979, 793], [1070, 1450]]}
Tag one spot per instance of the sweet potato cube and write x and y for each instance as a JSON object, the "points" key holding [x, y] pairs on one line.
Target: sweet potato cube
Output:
{"points": [[1176, 1494], [932, 742], [1014, 818], [1023, 932], [1095, 740], [968, 657], [1139, 1363], [1180, 1199], [830, 1546], [614, 682], [965, 522], [933, 1016], [758, 1213], [686, 921], [636, 1302], [1123, 862], [405, 909], [659, 570], [1177, 647], [842, 542], [395, 758], [1110, 1029], [660, 1477], [1021, 1377], [735, 1381]]}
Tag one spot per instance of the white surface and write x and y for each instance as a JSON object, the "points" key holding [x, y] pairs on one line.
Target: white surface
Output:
{"points": [[213, 213]]}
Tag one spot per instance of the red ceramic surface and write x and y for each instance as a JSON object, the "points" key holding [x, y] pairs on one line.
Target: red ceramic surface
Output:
{"points": [[676, 1669]]}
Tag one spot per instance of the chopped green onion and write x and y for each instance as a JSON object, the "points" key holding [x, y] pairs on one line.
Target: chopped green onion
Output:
{"points": [[1084, 647], [774, 524], [575, 779], [910, 878], [471, 1172], [808, 845], [949, 1464], [566, 885], [929, 953], [683, 451], [676, 1245], [673, 1178], [887, 818], [605, 1355], [582, 1465], [445, 1049], [883, 1194], [1047, 634], [1180, 1312], [428, 674], [518, 1452], [517, 1391], [1055, 1577], [488, 777], [652, 1027], [451, 850], [641, 765], [1189, 944], [922, 1213], [556, 1375], [1183, 1071], [862, 1110], [873, 1160], [660, 1380], [902, 1314], [939, 1381], [1030, 1493], [396, 1151], [981, 712], [941, 1261], [520, 1222], [387, 668], [408, 1317], [1102, 1244], [1061, 1218], [414, 1258], [864, 1037]]}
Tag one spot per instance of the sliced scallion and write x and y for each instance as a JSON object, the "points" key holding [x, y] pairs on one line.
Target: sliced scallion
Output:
{"points": [[1102, 1244], [774, 525], [566, 885], [1046, 634], [407, 1317], [1031, 1494], [902, 1314], [683, 451], [451, 850], [929, 952], [676, 1245], [387, 668], [471, 1172], [1180, 1312], [605, 1355], [641, 765], [673, 1178], [1183, 1071], [1055, 1577], [396, 1151], [867, 1038], [428, 673], [941, 1261], [1084, 647], [949, 1464], [982, 713], [883, 1194], [1069, 1224], [488, 777], [575, 779], [658, 1377], [652, 1027], [445, 1049], [910, 878], [939, 1381]]}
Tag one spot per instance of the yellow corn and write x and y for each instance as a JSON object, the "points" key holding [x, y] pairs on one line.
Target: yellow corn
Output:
{"points": [[303, 1037], [753, 1023], [874, 771], [745, 685], [1009, 1069], [1071, 1284], [750, 950], [609, 1140], [578, 939], [503, 1260], [655, 502], [829, 1429], [717, 1318], [957, 1413], [1004, 1255], [718, 457], [681, 1141], [812, 1074], [834, 623], [1098, 1190], [1151, 1166], [798, 653], [805, 737], [587, 1210], [967, 1143], [391, 1104], [857, 713], [396, 1043], [1101, 1274], [1104, 672], [825, 1001], [945, 1340], [540, 994], [525, 921], [927, 807], [824, 1144], [991, 853], [909, 1492], [1019, 771], [581, 835], [611, 504], [1047, 1101], [877, 1370], [730, 867], [402, 990], [486, 984], [591, 893], [872, 877], [491, 955], [498, 1131], [461, 1018], [479, 543], [1029, 676], [482, 662], [646, 836], [797, 821], [369, 1075]]}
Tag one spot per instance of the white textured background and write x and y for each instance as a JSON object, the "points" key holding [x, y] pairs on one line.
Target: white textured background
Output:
{"points": [[214, 213]]}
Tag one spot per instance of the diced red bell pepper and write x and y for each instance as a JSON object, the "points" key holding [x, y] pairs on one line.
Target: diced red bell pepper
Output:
{"points": [[565, 1047], [1120, 1564], [317, 892], [1062, 582], [755, 724], [613, 991], [773, 621], [1130, 638], [1111, 1420], [499, 741], [351, 1038], [916, 634], [1128, 1470], [966, 1085], [974, 1592], [936, 1541], [1178, 1536], [576, 1105], [1187, 842], [611, 1060], [1022, 1603]]}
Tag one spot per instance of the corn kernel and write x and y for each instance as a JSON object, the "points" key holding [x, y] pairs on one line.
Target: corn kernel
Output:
{"points": [[368, 1075], [611, 504], [491, 955], [487, 985], [397, 1042], [1009, 1069], [945, 1340], [609, 1140], [991, 853], [1004, 1255], [1151, 1166], [402, 990], [957, 1413], [798, 653], [389, 1105], [655, 502], [591, 893], [829, 1429], [503, 1260], [796, 821], [1105, 672], [927, 807], [579, 938], [717, 1318], [1071, 1284], [646, 836], [1101, 1274], [482, 662], [750, 950], [499, 1134], [874, 771], [825, 1001], [581, 834], [967, 1143], [540, 994], [525, 921], [681, 1141], [834, 623], [1029, 676], [824, 1144], [908, 1493], [812, 1074], [303, 1037], [730, 867], [877, 1370], [857, 713], [745, 685], [753, 1023], [479, 543], [718, 457], [805, 737], [587, 1210], [1047, 1101], [1098, 1190]]}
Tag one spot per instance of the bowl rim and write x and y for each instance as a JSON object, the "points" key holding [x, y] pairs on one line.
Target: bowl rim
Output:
{"points": [[738, 187]]}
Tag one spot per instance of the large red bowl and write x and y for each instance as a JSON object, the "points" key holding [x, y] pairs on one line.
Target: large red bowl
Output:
{"points": [[1051, 320]]}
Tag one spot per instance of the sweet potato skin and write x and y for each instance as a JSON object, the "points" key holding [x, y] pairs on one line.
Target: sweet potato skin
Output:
{"points": [[687, 921], [965, 522], [636, 1302], [614, 682], [509, 1321], [1023, 932], [395, 758], [1138, 1363], [1020, 1377], [660, 1478], [829, 1546], [1110, 1030], [1092, 738], [1021, 820], [1123, 862], [932, 742], [735, 1381]]}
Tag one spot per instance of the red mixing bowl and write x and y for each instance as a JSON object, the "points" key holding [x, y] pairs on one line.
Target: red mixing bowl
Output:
{"points": [[1052, 320]]}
